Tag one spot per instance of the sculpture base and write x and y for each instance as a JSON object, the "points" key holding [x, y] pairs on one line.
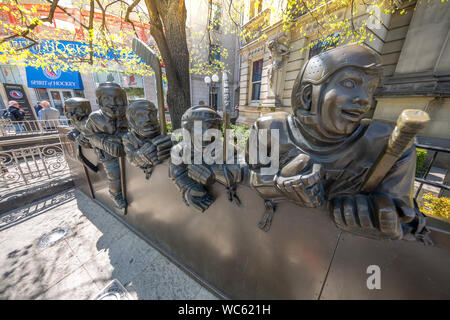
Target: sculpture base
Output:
{"points": [[303, 256]]}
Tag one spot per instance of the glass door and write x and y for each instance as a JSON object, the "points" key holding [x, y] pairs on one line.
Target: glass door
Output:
{"points": [[56, 100], [67, 94], [58, 97]]}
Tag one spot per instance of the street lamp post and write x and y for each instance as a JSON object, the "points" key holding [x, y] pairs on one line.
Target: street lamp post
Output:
{"points": [[210, 81], [215, 79]]}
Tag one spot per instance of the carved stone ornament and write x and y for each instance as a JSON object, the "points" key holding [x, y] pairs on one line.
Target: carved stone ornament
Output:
{"points": [[278, 54], [255, 52], [328, 151]]}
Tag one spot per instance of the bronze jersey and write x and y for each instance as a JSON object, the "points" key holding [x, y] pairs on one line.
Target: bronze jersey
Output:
{"points": [[346, 163]]}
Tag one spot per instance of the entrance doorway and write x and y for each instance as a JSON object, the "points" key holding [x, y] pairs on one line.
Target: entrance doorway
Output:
{"points": [[214, 95], [56, 97]]}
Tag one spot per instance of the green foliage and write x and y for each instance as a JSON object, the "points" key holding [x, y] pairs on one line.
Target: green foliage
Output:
{"points": [[100, 35], [169, 127], [176, 137], [421, 154], [436, 206], [241, 133]]}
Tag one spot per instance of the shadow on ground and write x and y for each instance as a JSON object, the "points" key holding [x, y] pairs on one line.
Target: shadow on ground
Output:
{"points": [[80, 266]]}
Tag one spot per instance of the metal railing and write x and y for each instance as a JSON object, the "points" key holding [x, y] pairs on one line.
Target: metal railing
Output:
{"points": [[423, 178], [22, 166], [9, 128]]}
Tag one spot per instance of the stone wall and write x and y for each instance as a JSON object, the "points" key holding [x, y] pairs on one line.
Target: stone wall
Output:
{"points": [[415, 53]]}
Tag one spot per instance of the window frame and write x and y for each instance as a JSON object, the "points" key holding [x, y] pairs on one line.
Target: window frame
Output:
{"points": [[254, 11], [215, 56], [217, 13], [252, 83]]}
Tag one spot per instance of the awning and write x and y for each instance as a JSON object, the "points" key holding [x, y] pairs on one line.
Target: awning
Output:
{"points": [[51, 78]]}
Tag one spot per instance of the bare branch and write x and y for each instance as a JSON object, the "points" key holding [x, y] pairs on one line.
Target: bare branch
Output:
{"points": [[127, 15], [91, 28], [33, 25], [70, 15]]}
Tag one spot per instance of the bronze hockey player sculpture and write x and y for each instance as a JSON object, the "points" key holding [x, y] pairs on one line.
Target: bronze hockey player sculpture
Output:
{"points": [[144, 145], [77, 110], [327, 150], [193, 179], [104, 129]]}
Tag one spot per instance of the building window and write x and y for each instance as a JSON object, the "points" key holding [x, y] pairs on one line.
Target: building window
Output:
{"points": [[256, 79], [325, 44], [134, 93], [215, 17], [132, 84], [214, 55], [255, 7], [78, 93], [10, 74], [42, 94], [107, 76]]}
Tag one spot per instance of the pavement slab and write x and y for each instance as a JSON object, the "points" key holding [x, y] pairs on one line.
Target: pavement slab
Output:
{"points": [[100, 250]]}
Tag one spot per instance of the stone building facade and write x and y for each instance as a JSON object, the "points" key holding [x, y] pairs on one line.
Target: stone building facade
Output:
{"points": [[223, 36], [415, 52]]}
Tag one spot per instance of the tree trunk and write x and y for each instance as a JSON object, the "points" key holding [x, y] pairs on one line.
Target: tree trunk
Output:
{"points": [[168, 28]]}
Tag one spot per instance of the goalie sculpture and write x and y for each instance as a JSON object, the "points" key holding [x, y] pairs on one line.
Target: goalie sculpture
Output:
{"points": [[193, 179], [144, 145], [327, 150]]}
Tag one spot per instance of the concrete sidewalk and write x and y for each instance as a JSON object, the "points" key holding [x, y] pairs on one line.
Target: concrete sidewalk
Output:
{"points": [[97, 250]]}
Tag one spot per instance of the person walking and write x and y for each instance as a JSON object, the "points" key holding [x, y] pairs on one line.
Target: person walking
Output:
{"points": [[49, 115], [17, 115], [38, 107]]}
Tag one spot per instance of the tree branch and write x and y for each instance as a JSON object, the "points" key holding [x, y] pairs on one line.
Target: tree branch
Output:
{"points": [[33, 25], [91, 29]]}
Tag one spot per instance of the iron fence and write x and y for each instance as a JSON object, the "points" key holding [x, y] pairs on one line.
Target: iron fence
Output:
{"points": [[9, 128], [422, 176], [28, 167]]}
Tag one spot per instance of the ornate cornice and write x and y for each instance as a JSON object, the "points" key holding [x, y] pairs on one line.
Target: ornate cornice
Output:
{"points": [[424, 84]]}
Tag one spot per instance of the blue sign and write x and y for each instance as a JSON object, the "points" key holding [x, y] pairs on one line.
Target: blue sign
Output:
{"points": [[73, 49], [53, 78]]}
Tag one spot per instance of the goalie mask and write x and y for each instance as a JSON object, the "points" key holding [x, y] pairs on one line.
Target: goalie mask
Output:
{"points": [[334, 91]]}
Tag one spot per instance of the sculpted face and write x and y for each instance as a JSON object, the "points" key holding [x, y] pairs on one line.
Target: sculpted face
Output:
{"points": [[145, 118], [346, 99], [113, 102]]}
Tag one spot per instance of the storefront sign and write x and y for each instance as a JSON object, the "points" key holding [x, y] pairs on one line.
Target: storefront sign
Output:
{"points": [[74, 49], [53, 78], [16, 92]]}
